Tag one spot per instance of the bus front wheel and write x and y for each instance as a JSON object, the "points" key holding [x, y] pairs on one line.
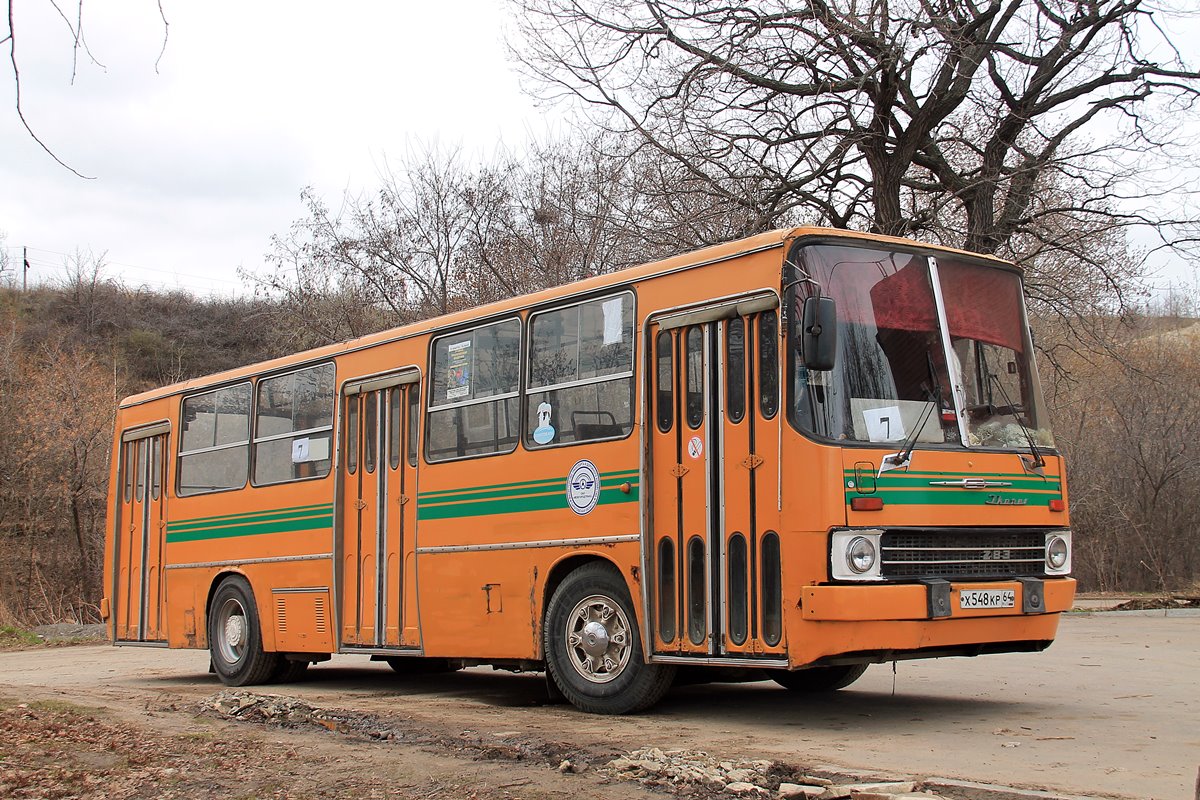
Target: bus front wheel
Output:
{"points": [[592, 646], [235, 636], [819, 679]]}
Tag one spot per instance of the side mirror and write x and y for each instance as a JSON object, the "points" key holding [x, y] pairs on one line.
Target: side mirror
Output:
{"points": [[818, 333]]}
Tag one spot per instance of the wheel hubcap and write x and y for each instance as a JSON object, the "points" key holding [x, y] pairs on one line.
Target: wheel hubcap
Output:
{"points": [[233, 631], [598, 639]]}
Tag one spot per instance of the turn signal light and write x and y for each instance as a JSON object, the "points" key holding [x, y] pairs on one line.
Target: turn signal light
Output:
{"points": [[1057, 504], [867, 503]]}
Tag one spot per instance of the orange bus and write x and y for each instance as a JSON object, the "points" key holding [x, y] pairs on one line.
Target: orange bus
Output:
{"points": [[790, 456]]}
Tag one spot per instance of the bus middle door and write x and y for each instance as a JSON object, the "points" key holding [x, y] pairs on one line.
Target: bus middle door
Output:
{"points": [[379, 474]]}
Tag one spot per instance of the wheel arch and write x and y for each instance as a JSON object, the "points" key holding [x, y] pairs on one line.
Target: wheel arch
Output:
{"points": [[558, 572], [265, 619]]}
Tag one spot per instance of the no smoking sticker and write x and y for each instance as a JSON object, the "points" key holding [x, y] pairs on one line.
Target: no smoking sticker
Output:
{"points": [[695, 447]]}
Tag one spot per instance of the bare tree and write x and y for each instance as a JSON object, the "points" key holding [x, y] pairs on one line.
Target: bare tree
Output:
{"points": [[72, 18], [972, 123], [443, 234], [1130, 427]]}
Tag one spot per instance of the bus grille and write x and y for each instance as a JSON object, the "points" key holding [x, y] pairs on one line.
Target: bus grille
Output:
{"points": [[1003, 553]]}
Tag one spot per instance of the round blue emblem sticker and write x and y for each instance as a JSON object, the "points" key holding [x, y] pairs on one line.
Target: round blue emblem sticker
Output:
{"points": [[583, 487]]}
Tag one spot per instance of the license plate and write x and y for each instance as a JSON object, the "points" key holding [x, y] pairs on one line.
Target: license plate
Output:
{"points": [[987, 598]]}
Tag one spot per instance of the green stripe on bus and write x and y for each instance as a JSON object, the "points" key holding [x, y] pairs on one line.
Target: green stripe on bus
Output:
{"points": [[553, 487], [980, 498], [555, 482], [266, 519], [293, 525], [517, 505], [251, 516], [912, 473], [902, 482]]}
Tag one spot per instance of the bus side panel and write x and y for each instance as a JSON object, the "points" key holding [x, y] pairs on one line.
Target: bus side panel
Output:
{"points": [[481, 596], [280, 537]]}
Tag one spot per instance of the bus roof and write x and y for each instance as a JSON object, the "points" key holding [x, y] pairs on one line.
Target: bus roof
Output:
{"points": [[692, 258]]}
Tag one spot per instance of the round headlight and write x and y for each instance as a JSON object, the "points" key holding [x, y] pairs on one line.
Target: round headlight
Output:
{"points": [[860, 554], [1056, 552]]}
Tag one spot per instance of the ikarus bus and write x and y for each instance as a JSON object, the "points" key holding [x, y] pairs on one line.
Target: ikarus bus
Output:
{"points": [[785, 457]]}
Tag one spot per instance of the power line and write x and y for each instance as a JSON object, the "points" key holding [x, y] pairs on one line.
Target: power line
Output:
{"points": [[40, 259]]}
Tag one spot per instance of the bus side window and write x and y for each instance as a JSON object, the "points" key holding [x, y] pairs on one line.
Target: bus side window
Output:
{"points": [[155, 467], [370, 441], [214, 447], [394, 419], [352, 434], [473, 396], [414, 409], [768, 363], [580, 372], [293, 425], [694, 364], [130, 466], [735, 365], [665, 382]]}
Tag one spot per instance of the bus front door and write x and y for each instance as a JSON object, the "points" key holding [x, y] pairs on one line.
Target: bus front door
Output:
{"points": [[714, 461], [141, 532], [378, 512]]}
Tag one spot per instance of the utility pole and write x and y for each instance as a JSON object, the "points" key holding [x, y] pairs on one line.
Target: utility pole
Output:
{"points": [[25, 273]]}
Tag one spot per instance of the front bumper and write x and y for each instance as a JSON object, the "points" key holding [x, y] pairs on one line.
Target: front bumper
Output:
{"points": [[918, 601]]}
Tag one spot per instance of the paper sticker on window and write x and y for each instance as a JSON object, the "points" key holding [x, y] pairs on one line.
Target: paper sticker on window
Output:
{"points": [[306, 449], [458, 370], [884, 424], [544, 432], [613, 328]]}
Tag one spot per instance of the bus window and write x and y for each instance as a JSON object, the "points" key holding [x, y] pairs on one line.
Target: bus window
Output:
{"points": [[414, 396], [694, 363], [371, 423], [735, 364], [214, 447], [293, 425], [155, 467], [772, 597], [666, 382], [141, 472], [696, 590], [130, 466], [351, 437], [473, 403], [394, 427], [768, 364], [581, 372], [666, 590], [737, 588]]}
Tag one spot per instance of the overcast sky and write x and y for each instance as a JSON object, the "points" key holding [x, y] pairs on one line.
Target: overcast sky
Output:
{"points": [[197, 164]]}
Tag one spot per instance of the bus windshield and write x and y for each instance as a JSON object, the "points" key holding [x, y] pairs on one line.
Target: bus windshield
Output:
{"points": [[894, 379]]}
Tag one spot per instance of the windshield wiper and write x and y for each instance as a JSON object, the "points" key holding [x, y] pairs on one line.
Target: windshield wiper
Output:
{"points": [[934, 395], [1038, 461]]}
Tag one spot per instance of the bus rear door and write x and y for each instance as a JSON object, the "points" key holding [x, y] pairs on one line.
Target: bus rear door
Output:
{"points": [[140, 536]]}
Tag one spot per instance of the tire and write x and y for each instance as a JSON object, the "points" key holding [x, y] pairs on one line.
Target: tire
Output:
{"points": [[289, 671], [235, 636], [593, 648], [415, 665], [819, 679]]}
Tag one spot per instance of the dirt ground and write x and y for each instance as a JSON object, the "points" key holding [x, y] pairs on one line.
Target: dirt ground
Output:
{"points": [[1109, 711]]}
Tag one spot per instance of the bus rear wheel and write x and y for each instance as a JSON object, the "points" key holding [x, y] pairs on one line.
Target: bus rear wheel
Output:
{"points": [[235, 636], [819, 679], [592, 646]]}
